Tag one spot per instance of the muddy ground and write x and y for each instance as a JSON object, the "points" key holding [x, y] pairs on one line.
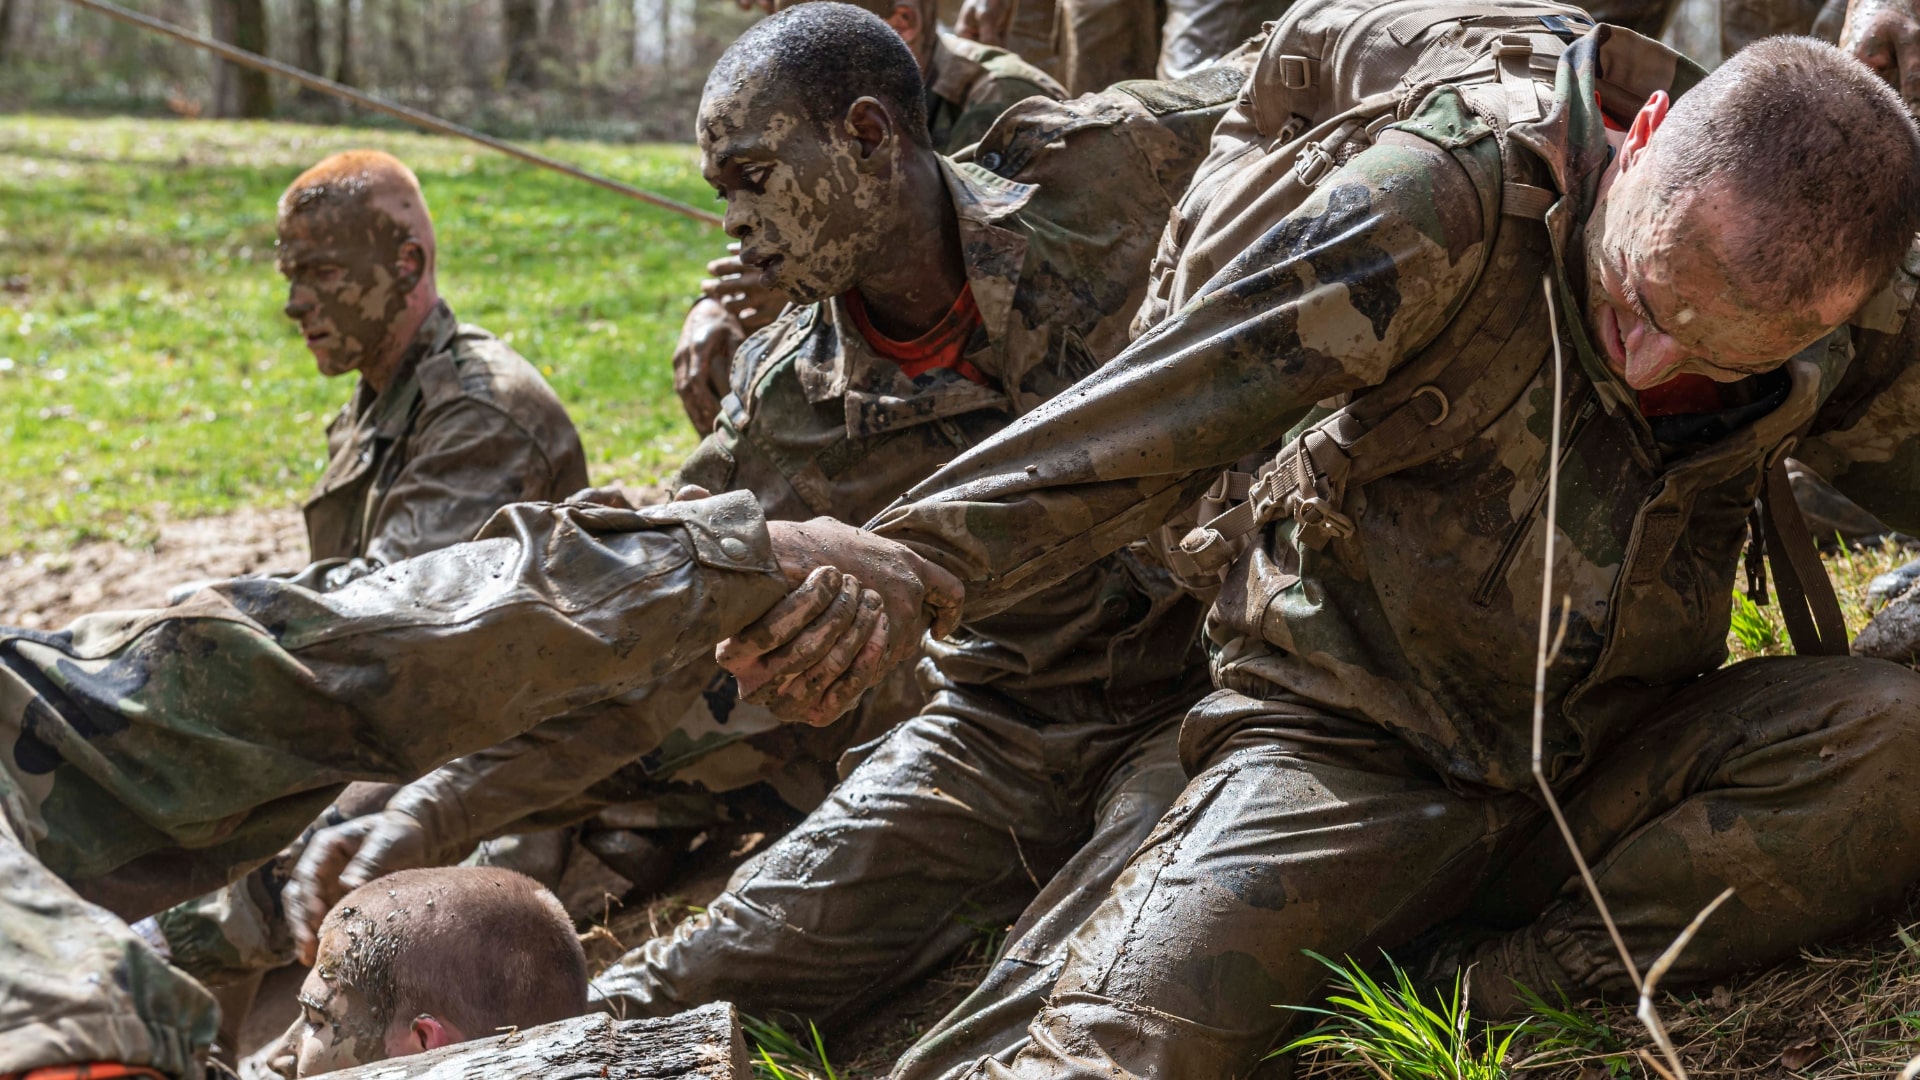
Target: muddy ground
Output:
{"points": [[46, 590]]}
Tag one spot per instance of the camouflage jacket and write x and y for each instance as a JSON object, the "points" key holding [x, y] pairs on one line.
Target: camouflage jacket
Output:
{"points": [[1424, 619], [110, 728], [969, 85], [465, 428], [818, 424]]}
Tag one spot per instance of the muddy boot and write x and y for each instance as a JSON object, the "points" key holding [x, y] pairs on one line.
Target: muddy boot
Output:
{"points": [[1883, 589], [1833, 518], [646, 860], [1894, 633]]}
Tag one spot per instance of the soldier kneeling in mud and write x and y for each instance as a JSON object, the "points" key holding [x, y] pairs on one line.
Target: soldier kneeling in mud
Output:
{"points": [[1653, 269]]}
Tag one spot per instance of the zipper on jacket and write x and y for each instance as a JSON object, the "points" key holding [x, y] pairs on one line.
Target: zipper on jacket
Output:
{"points": [[1517, 534]]}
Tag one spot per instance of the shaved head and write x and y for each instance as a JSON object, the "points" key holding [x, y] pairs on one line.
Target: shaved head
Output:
{"points": [[357, 250], [421, 958], [362, 183]]}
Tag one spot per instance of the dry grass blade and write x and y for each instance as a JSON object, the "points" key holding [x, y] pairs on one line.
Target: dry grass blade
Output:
{"points": [[1912, 1070], [1540, 658], [1647, 1013]]}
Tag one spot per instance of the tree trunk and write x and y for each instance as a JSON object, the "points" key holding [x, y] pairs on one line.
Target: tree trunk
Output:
{"points": [[703, 1044], [239, 91], [520, 26], [562, 49], [343, 66], [6, 26], [306, 44]]}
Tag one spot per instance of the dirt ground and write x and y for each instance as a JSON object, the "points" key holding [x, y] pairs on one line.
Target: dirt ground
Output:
{"points": [[45, 591]]}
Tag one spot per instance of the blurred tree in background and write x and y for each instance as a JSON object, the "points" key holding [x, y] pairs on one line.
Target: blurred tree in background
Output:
{"points": [[609, 69]]}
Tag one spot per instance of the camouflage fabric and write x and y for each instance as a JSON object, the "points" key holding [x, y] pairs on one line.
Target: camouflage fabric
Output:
{"points": [[1420, 624], [969, 85], [113, 726], [1200, 32], [466, 428], [1103, 42], [1047, 731], [818, 424]]}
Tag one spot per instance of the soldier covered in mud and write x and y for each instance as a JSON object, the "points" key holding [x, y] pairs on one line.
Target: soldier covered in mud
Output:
{"points": [[446, 425], [147, 757], [1674, 257], [968, 86], [423, 959], [936, 301]]}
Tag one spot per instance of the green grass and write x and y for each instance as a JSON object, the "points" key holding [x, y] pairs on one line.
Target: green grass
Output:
{"points": [[146, 370]]}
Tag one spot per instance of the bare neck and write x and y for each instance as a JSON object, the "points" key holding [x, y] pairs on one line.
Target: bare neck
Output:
{"points": [[380, 373], [920, 270]]}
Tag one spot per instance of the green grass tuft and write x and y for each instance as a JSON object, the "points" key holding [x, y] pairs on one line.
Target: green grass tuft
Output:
{"points": [[146, 371], [1393, 1031]]}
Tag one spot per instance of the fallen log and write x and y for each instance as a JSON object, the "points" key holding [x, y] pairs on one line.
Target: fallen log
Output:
{"points": [[701, 1044]]}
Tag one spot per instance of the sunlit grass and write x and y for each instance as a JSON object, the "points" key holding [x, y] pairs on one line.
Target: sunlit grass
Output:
{"points": [[145, 369]]}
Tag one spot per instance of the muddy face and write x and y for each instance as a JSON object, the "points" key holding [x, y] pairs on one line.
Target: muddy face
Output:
{"points": [[336, 1028], [809, 206], [349, 271], [1664, 299]]}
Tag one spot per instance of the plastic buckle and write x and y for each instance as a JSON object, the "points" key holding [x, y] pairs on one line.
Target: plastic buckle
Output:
{"points": [[1512, 45], [1296, 72], [1313, 165]]}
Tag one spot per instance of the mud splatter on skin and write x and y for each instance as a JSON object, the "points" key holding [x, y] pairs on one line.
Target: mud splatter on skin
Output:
{"points": [[338, 1027], [1663, 299], [350, 267], [810, 206]]}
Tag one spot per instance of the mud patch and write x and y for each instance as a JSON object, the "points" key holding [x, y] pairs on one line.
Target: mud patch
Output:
{"points": [[46, 590]]}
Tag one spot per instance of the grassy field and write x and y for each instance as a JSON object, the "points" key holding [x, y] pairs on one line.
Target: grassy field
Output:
{"points": [[145, 368]]}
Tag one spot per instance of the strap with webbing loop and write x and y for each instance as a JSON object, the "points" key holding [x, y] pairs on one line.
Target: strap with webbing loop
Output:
{"points": [[1807, 602]]}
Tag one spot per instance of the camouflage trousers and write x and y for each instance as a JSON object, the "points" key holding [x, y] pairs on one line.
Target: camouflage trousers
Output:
{"points": [[942, 833], [147, 757], [1788, 779]]}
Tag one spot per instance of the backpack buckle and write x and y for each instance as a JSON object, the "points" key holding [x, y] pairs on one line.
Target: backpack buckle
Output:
{"points": [[1313, 165], [1296, 72]]}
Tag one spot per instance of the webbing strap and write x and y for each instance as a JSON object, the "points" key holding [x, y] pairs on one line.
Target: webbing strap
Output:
{"points": [[1807, 601], [1514, 54]]}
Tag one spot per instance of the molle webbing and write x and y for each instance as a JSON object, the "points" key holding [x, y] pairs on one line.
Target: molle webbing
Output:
{"points": [[1471, 373]]}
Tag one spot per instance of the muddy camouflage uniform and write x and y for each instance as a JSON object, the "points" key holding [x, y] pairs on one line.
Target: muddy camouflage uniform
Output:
{"points": [[969, 85], [110, 729], [1048, 734], [466, 427], [1362, 773]]}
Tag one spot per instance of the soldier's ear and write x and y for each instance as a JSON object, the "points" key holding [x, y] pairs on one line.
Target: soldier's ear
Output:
{"points": [[869, 124], [1645, 123], [905, 21], [410, 266]]}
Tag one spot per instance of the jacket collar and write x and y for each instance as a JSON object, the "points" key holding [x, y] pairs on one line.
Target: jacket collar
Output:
{"points": [[950, 73], [879, 397]]}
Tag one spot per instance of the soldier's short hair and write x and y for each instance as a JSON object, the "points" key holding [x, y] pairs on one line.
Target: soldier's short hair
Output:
{"points": [[1820, 153], [479, 947], [825, 56]]}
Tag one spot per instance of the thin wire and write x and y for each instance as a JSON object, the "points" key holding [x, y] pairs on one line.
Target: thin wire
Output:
{"points": [[412, 116]]}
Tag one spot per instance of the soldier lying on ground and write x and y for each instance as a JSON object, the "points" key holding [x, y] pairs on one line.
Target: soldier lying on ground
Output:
{"points": [[1362, 776], [446, 425], [968, 85], [942, 300], [147, 757], [427, 958]]}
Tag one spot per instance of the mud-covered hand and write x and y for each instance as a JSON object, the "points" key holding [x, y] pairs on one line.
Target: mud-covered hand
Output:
{"points": [[340, 859], [985, 21], [703, 361], [1885, 35], [859, 606], [742, 291]]}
